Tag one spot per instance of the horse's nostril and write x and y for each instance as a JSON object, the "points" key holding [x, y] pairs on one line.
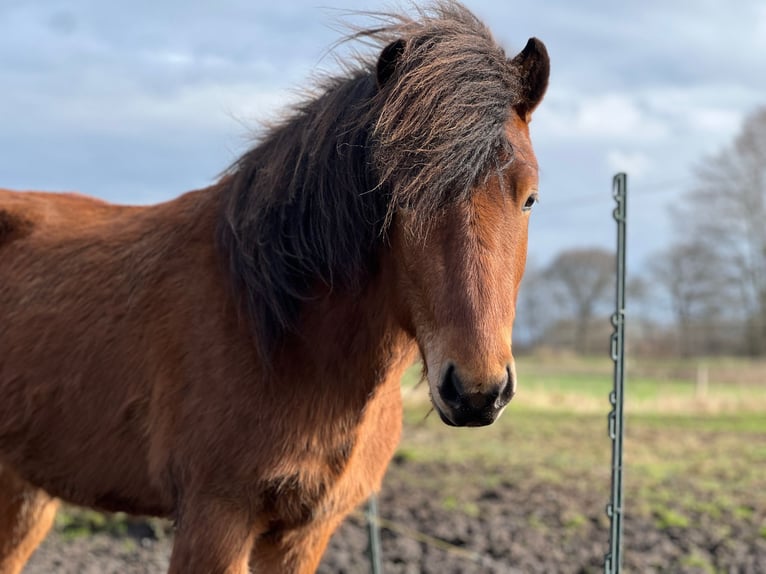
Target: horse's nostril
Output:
{"points": [[451, 389], [508, 389], [492, 395]]}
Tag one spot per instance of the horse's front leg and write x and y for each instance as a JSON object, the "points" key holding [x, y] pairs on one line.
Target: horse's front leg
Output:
{"points": [[295, 551], [26, 515], [212, 537]]}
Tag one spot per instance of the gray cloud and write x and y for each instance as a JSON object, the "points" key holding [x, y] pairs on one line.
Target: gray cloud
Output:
{"points": [[140, 101]]}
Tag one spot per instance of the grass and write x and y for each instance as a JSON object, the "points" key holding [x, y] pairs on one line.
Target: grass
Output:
{"points": [[668, 518], [77, 522], [699, 563], [74, 522], [584, 387]]}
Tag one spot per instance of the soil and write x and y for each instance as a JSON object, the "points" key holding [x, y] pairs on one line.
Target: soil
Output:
{"points": [[465, 525]]}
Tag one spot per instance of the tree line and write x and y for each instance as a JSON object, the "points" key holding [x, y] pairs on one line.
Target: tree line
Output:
{"points": [[710, 279]]}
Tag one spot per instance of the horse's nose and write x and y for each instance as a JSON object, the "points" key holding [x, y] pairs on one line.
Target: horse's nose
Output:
{"points": [[476, 404]]}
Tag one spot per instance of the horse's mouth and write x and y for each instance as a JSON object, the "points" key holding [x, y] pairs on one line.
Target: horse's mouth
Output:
{"points": [[463, 419], [445, 419]]}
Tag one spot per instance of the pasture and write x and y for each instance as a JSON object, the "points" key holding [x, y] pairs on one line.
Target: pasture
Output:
{"points": [[527, 494]]}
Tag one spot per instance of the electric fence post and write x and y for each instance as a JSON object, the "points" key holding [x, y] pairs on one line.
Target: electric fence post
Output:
{"points": [[373, 526], [614, 510]]}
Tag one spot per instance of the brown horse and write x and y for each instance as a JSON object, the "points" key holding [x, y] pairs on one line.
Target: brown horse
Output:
{"points": [[231, 359]]}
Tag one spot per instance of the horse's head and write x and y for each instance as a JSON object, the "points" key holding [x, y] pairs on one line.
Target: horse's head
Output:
{"points": [[459, 232]]}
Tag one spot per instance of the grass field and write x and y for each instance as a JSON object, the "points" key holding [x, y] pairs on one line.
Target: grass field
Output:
{"points": [[692, 461], [558, 420]]}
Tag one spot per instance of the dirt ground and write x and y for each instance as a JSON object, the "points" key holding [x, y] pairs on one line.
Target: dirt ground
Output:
{"points": [[464, 525]]}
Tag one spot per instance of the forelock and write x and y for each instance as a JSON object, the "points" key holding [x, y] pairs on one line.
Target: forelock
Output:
{"points": [[440, 123]]}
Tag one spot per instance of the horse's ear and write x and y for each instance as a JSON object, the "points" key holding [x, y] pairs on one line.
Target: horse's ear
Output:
{"points": [[388, 60], [534, 68]]}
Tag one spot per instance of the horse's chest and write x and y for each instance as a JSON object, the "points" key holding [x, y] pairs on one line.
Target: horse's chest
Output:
{"points": [[341, 475]]}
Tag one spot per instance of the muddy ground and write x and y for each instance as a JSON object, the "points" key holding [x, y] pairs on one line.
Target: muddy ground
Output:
{"points": [[500, 523]]}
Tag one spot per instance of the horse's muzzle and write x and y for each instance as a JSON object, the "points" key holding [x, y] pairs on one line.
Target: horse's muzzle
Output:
{"points": [[466, 408]]}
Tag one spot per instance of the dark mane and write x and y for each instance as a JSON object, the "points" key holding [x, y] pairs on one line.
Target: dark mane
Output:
{"points": [[309, 206]]}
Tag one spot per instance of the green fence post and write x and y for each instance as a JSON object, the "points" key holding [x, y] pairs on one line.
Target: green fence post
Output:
{"points": [[614, 510]]}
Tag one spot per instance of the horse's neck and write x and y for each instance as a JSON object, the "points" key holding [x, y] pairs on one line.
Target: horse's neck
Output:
{"points": [[356, 336]]}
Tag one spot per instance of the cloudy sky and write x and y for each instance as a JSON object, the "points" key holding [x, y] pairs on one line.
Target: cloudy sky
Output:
{"points": [[139, 101]]}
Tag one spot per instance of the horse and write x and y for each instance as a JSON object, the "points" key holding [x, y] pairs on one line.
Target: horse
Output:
{"points": [[230, 359]]}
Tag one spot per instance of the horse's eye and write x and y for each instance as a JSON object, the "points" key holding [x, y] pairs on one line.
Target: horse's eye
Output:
{"points": [[531, 200]]}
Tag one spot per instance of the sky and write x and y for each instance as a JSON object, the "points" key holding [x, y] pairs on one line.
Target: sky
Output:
{"points": [[137, 102]]}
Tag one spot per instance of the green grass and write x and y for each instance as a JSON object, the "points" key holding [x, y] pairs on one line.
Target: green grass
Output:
{"points": [[587, 392], [699, 563], [78, 522], [669, 518]]}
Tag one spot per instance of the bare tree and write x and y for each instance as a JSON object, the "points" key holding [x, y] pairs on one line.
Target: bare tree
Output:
{"points": [[533, 310], [583, 279], [696, 292], [725, 214]]}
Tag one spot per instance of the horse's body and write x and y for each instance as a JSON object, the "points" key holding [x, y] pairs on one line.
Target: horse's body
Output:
{"points": [[124, 362], [231, 358]]}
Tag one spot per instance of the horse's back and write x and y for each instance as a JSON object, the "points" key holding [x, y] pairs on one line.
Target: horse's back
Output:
{"points": [[23, 213], [15, 217]]}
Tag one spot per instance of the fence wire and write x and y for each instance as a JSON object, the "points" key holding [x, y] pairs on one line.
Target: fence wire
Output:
{"points": [[432, 541]]}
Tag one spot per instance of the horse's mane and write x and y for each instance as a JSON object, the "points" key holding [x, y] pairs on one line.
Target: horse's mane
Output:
{"points": [[310, 204]]}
